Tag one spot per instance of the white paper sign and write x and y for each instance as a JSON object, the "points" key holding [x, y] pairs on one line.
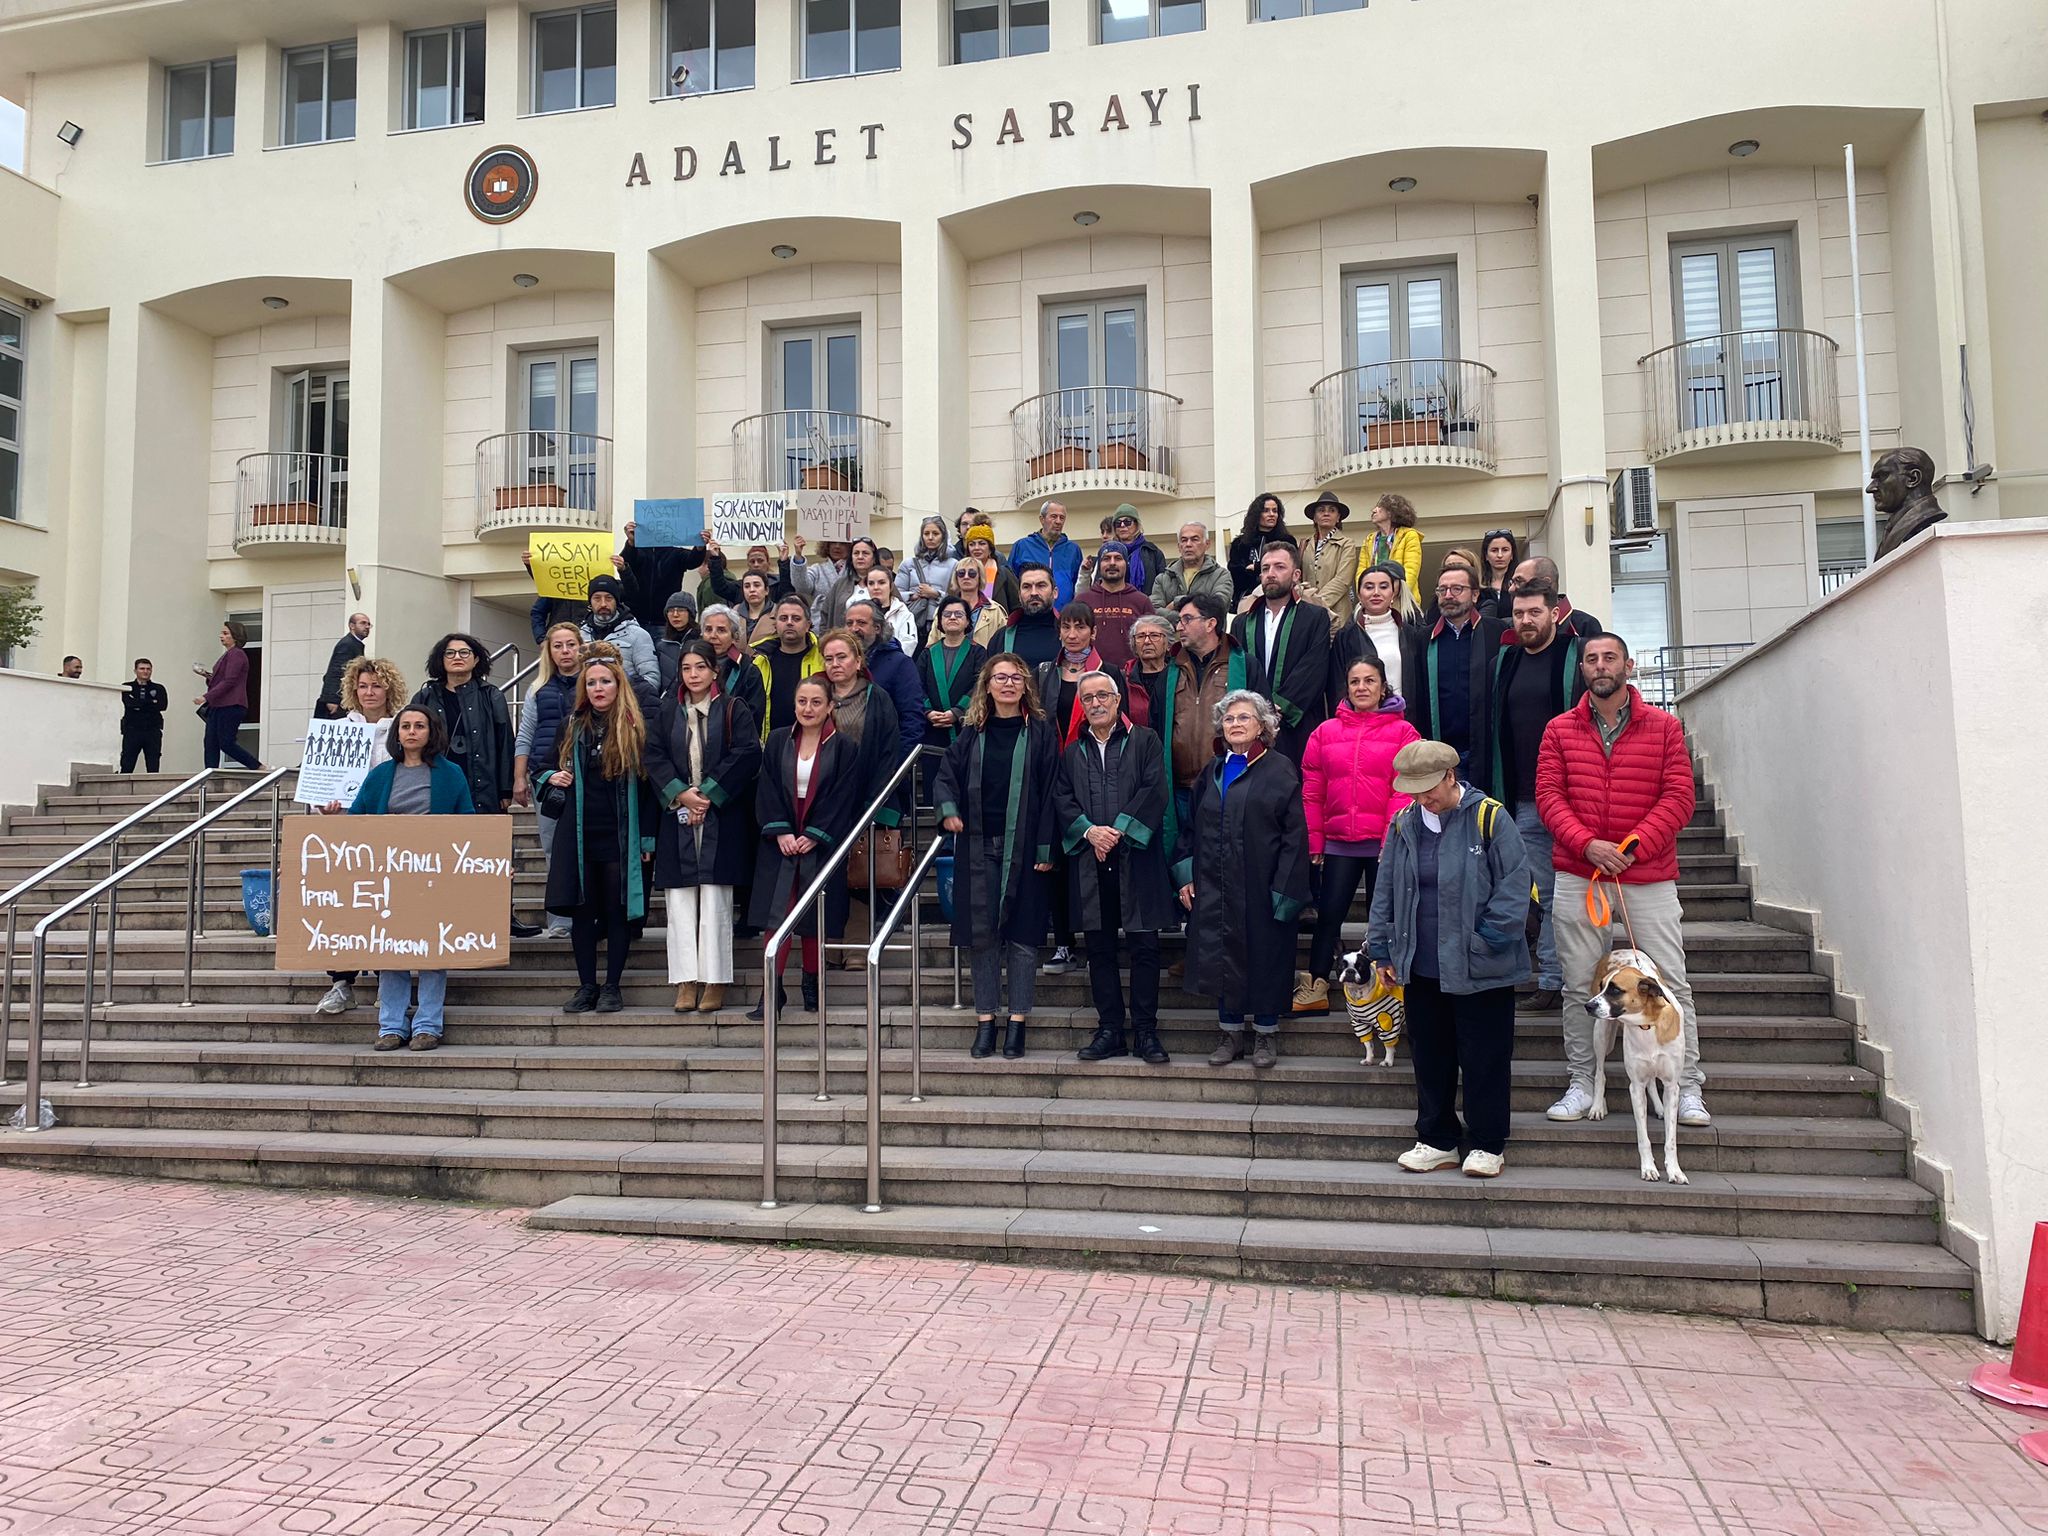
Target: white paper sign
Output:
{"points": [[339, 756], [739, 521], [836, 517]]}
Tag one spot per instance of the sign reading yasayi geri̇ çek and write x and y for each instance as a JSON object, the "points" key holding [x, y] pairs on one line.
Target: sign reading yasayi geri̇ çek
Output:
{"points": [[394, 893]]}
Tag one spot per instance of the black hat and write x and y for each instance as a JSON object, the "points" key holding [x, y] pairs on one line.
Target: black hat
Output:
{"points": [[1328, 500], [607, 584]]}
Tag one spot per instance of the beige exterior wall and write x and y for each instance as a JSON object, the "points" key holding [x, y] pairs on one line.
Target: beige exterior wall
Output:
{"points": [[1230, 197]]}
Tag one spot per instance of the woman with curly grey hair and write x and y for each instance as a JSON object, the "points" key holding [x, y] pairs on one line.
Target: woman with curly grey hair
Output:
{"points": [[1243, 873]]}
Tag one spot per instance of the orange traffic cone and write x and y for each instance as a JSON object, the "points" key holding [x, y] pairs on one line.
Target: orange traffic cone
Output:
{"points": [[2024, 1383]]}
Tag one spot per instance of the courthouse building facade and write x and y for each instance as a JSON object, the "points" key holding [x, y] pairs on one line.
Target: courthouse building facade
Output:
{"points": [[354, 291]]}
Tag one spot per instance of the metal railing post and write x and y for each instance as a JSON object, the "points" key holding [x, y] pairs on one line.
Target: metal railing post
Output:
{"points": [[92, 944], [916, 1001], [276, 836], [32, 1090], [191, 897], [113, 914], [874, 970], [823, 967], [7, 1001], [771, 979], [195, 913]]}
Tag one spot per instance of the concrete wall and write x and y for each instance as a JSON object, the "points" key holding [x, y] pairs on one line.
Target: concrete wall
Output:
{"points": [[52, 723], [1924, 881]]}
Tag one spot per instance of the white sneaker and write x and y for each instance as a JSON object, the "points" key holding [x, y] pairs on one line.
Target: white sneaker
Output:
{"points": [[339, 999], [1423, 1158], [1575, 1104], [1483, 1165], [1061, 962], [1692, 1109]]}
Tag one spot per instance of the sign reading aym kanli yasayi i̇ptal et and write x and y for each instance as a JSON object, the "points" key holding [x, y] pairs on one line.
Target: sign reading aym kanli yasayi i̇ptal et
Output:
{"points": [[394, 893]]}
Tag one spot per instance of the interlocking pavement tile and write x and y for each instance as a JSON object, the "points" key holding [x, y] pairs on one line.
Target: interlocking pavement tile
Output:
{"points": [[1615, 1504], [1458, 1424], [1108, 1399], [1108, 1458], [1437, 1494], [1257, 1478]]}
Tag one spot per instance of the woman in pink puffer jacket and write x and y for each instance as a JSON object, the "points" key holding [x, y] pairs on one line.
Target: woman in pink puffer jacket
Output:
{"points": [[1347, 777]]}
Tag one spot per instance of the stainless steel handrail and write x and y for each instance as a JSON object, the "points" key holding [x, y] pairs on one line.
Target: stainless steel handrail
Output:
{"points": [[9, 901], [525, 674], [813, 898], [907, 902], [40, 939]]}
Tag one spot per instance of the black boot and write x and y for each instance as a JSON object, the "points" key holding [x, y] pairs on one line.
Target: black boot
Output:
{"points": [[1107, 1042], [1148, 1049], [781, 1003], [984, 1039], [1013, 1040], [810, 991]]}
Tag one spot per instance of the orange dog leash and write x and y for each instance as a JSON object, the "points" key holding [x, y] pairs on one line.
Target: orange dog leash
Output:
{"points": [[1599, 909]]}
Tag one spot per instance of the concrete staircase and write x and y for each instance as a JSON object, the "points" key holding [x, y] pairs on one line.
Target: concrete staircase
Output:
{"points": [[1799, 1208]]}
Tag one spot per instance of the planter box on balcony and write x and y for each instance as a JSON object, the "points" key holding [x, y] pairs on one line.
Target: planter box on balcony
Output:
{"points": [[1121, 456], [511, 496], [823, 477], [272, 514], [1060, 461], [1418, 432]]}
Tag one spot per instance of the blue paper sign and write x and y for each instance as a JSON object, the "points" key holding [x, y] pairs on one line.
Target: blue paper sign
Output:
{"points": [[668, 524]]}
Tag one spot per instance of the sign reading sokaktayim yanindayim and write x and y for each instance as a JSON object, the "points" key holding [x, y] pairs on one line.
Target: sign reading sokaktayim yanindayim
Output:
{"points": [[394, 893], [339, 756]]}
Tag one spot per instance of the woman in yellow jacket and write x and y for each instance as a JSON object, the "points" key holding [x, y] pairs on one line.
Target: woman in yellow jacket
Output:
{"points": [[1394, 538]]}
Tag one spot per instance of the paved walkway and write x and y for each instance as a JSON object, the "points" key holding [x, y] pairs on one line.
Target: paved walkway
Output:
{"points": [[206, 1361]]}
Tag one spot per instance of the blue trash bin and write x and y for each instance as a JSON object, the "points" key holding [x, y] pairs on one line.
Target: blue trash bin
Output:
{"points": [[942, 866], [256, 898]]}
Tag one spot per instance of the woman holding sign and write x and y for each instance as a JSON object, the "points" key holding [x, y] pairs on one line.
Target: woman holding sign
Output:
{"points": [[809, 793], [597, 875], [702, 757], [419, 780], [370, 691]]}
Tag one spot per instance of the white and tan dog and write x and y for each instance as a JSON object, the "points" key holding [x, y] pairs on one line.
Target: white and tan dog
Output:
{"points": [[1628, 998]]}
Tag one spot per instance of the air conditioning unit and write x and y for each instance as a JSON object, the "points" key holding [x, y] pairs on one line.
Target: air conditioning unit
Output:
{"points": [[1633, 500]]}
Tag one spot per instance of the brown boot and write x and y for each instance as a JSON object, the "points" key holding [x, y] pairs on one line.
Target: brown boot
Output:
{"points": [[686, 997], [713, 997]]}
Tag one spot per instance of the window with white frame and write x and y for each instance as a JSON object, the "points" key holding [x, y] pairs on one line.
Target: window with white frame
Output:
{"points": [[199, 110], [999, 29], [851, 37], [444, 76], [558, 418], [1281, 10], [319, 94], [1096, 409], [709, 45], [814, 431], [1121, 21], [1400, 335], [13, 386], [575, 59]]}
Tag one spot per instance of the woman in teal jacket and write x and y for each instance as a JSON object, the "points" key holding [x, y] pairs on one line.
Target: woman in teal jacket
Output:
{"points": [[418, 781]]}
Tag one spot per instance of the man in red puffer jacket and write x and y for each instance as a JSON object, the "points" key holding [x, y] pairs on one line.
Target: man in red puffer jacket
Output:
{"points": [[1610, 768]]}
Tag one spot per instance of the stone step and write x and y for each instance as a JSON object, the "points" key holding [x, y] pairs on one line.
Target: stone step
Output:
{"points": [[1309, 1190], [1185, 1031], [1792, 1280], [644, 988], [370, 1093]]}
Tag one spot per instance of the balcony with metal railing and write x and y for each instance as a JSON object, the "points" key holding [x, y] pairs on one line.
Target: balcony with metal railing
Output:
{"points": [[1421, 413], [1742, 392], [286, 502], [809, 451], [544, 482], [1113, 438]]}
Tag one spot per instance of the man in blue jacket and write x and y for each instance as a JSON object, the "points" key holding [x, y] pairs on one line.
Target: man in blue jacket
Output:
{"points": [[892, 671], [1051, 548]]}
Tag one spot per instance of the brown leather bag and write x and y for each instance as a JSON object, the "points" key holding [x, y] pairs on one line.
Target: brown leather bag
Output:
{"points": [[891, 856]]}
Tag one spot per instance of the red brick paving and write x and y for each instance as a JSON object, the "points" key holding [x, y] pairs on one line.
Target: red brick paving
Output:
{"points": [[218, 1361]]}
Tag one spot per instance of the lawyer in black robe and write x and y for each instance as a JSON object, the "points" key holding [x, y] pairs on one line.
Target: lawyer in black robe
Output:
{"points": [[1294, 683], [1247, 857], [1001, 899], [721, 850], [826, 815]]}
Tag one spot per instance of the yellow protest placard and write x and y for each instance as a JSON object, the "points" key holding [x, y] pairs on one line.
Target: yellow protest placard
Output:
{"points": [[563, 563]]}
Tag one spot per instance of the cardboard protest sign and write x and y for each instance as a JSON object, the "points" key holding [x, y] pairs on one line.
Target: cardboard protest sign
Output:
{"points": [[563, 563], [833, 516], [749, 518], [339, 756], [394, 893], [668, 524]]}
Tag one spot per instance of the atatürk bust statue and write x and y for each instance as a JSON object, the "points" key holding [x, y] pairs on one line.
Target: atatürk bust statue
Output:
{"points": [[1902, 486]]}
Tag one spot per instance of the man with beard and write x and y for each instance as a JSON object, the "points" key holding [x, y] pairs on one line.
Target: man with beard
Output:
{"points": [[892, 671], [1447, 696], [612, 621], [1117, 604], [785, 659], [1286, 646], [1033, 632], [1614, 786], [1051, 548]]}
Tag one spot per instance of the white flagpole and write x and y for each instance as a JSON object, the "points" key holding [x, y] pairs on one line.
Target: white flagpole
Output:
{"points": [[1862, 371]]}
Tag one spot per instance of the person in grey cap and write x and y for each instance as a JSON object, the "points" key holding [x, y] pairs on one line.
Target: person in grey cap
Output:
{"points": [[678, 629], [1447, 925]]}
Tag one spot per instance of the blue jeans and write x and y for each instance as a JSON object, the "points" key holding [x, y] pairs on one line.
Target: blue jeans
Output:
{"points": [[1263, 1024], [1536, 839], [223, 721], [394, 990]]}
